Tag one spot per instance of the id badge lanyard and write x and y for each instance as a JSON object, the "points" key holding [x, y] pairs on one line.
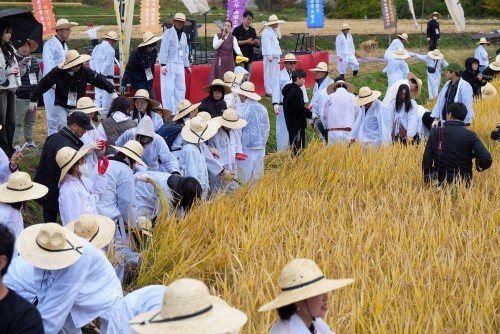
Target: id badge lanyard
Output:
{"points": [[72, 95], [147, 70], [32, 76]]}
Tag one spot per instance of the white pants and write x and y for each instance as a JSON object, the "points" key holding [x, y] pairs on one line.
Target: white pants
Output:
{"points": [[252, 168], [433, 81], [48, 101], [271, 73], [338, 137], [173, 86], [103, 100], [346, 61], [281, 132]]}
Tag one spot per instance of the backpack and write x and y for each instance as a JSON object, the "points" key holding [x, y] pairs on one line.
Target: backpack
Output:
{"points": [[169, 131]]}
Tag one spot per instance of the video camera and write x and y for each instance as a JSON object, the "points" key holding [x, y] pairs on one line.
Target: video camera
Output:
{"points": [[495, 134], [487, 77]]}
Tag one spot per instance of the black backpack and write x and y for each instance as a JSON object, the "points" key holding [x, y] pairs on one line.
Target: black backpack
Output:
{"points": [[169, 131]]}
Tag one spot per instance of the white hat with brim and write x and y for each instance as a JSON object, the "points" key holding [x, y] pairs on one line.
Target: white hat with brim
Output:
{"points": [[495, 66], [273, 19], [289, 58], [66, 157], [144, 94], [412, 76], [149, 38], [49, 246], [86, 105], [435, 54], [180, 17], [366, 95], [404, 36], [20, 188], [483, 41], [184, 107], [111, 35], [349, 86], [215, 83], [321, 67], [188, 308], [198, 130], [73, 58], [247, 89], [302, 279], [488, 90], [400, 54], [230, 119], [64, 24], [96, 229], [132, 149]]}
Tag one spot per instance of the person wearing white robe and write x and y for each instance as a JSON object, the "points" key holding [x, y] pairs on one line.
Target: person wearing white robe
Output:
{"points": [[397, 68], [435, 60], [482, 55], [396, 44], [20, 278], [406, 119], [296, 325], [147, 200], [174, 57], [344, 45], [319, 93], [271, 53]]}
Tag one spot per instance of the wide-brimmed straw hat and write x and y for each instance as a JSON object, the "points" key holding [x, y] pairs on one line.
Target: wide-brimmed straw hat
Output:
{"points": [[111, 35], [321, 67], [412, 76], [435, 13], [149, 38], [165, 113], [198, 130], [301, 279], [273, 19], [86, 105], [146, 225], [64, 24], [400, 54], [96, 229], [66, 157], [231, 79], [404, 36], [33, 45], [205, 115], [184, 107], [345, 26], [289, 58], [366, 95], [132, 149], [483, 41], [217, 82], [73, 58], [488, 90], [20, 188], [179, 17], [495, 66], [247, 89], [144, 94], [230, 119], [435, 54], [188, 308], [349, 86], [49, 246]]}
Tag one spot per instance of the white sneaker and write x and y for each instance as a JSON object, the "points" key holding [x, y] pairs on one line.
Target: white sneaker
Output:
{"points": [[31, 146]]}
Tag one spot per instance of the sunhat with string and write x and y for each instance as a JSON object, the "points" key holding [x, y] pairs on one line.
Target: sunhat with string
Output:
{"points": [[366, 95], [184, 107], [301, 279], [248, 89], [86, 105], [230, 119], [217, 83], [348, 86], [149, 38], [20, 188], [180, 17], [144, 94], [72, 59], [66, 157], [96, 229], [64, 24], [435, 54], [199, 130], [49, 246], [400, 54], [273, 19], [289, 58], [231, 79], [132, 149], [188, 308]]}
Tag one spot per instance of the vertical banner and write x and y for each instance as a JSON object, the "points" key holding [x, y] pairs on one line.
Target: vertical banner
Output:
{"points": [[315, 14], [389, 13], [150, 16], [235, 9], [124, 10], [412, 11], [45, 15], [457, 14]]}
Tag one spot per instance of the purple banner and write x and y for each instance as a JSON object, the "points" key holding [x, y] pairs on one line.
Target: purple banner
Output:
{"points": [[389, 13], [235, 9]]}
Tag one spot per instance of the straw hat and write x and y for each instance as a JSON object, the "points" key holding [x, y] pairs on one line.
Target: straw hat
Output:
{"points": [[86, 105], [419, 85], [435, 13], [217, 82], [230, 119], [366, 95], [111, 35], [321, 67], [19, 188], [49, 246], [302, 279], [144, 94], [205, 115], [489, 90], [483, 41], [66, 157], [231, 80], [199, 130], [495, 66], [146, 226], [96, 229], [273, 19], [73, 58], [64, 24], [331, 88], [400, 54], [247, 89], [165, 113], [179, 17], [184, 107], [188, 308], [132, 149], [436, 54], [33, 45], [345, 26], [149, 38], [404, 36], [289, 58]]}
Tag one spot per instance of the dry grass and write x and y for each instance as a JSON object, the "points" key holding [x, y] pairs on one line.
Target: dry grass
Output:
{"points": [[423, 261]]}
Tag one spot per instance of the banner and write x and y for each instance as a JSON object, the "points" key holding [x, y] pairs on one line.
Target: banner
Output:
{"points": [[150, 15], [315, 14], [124, 10], [412, 11], [235, 9], [389, 13], [45, 15], [457, 14]]}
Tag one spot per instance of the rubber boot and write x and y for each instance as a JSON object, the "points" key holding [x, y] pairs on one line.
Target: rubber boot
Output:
{"points": [[354, 73]]}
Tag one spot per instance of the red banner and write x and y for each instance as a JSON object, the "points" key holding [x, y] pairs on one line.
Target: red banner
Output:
{"points": [[45, 15], [389, 13]]}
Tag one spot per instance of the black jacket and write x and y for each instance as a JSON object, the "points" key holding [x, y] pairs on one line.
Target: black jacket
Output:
{"points": [[296, 114], [432, 25], [471, 76], [65, 82], [135, 71], [460, 146], [48, 172], [26, 88], [212, 106]]}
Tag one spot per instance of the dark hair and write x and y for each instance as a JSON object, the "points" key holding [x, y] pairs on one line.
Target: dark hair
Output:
{"points": [[6, 245], [148, 111], [17, 205], [298, 73], [247, 13], [121, 103], [6, 48], [407, 100], [217, 88], [458, 110], [286, 312], [191, 191], [231, 23], [149, 45]]}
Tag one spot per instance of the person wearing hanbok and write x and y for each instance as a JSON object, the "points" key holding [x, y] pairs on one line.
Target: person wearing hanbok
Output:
{"points": [[144, 106], [404, 112], [481, 54], [232, 81], [319, 94], [397, 68], [346, 52], [224, 43], [435, 65], [271, 52], [396, 44]]}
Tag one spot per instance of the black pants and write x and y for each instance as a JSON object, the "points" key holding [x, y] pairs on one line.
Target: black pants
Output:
{"points": [[297, 140], [49, 216], [433, 44], [7, 120]]}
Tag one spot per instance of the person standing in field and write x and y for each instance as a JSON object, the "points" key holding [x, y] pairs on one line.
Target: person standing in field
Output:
{"points": [[481, 54], [224, 43], [271, 53], [396, 44], [397, 68], [346, 52], [247, 40], [433, 32], [435, 64], [322, 81], [404, 112]]}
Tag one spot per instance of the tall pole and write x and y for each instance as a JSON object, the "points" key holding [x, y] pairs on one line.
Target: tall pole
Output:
{"points": [[421, 24]]}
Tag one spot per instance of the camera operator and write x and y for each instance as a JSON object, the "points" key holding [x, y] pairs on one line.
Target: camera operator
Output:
{"points": [[472, 75]]}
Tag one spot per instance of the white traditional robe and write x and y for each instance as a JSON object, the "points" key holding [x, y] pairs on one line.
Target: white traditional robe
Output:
{"points": [[345, 49], [103, 62], [4, 167], [373, 126], [192, 163], [397, 69], [339, 112], [409, 120], [270, 47], [12, 219], [295, 325], [155, 117], [433, 79], [482, 55], [464, 95], [147, 200]]}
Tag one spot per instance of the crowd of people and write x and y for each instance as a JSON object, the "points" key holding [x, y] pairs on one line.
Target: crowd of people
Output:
{"points": [[109, 181]]}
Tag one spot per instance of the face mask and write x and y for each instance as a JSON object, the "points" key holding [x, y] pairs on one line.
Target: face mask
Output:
{"points": [[434, 17], [85, 169]]}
